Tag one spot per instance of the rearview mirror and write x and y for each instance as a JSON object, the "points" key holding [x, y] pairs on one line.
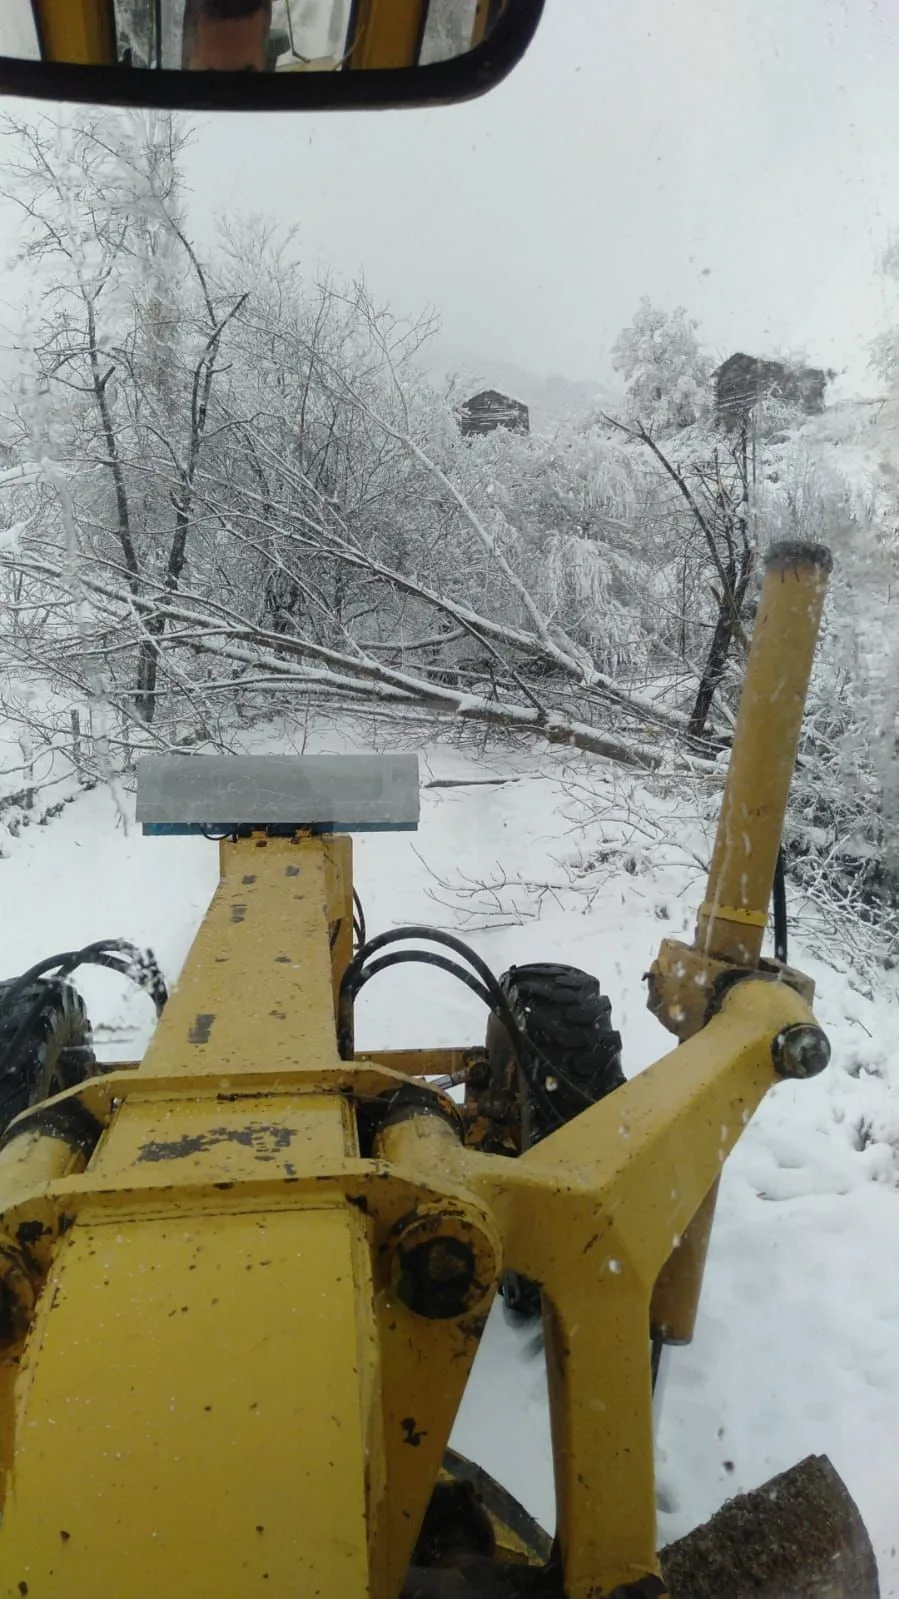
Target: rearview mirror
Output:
{"points": [[261, 55]]}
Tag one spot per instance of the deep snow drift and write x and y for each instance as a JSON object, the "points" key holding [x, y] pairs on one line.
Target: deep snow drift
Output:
{"points": [[797, 1348]]}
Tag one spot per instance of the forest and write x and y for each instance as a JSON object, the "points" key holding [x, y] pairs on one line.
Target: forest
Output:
{"points": [[230, 491]]}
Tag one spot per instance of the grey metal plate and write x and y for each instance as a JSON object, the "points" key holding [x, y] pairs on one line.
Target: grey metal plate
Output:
{"points": [[330, 793]]}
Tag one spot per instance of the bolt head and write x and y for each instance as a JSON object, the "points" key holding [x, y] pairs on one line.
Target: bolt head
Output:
{"points": [[435, 1277], [801, 1050]]}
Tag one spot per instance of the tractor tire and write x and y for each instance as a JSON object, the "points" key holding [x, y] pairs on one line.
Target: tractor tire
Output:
{"points": [[562, 1012], [54, 1051]]}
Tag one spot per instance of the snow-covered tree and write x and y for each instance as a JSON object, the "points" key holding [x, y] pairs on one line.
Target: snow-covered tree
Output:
{"points": [[252, 488], [883, 352], [664, 368], [123, 354], [237, 490]]}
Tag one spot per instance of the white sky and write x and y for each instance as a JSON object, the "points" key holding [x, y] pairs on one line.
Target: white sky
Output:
{"points": [[736, 157], [739, 158]]}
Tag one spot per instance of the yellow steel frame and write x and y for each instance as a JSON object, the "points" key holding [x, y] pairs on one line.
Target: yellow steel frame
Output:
{"points": [[217, 1338], [221, 1372], [386, 33], [732, 918]]}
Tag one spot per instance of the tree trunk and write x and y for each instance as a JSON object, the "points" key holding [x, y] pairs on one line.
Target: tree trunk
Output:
{"points": [[722, 639], [148, 670]]}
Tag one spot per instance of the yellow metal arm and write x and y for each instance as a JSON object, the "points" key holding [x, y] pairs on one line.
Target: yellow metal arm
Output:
{"points": [[734, 915], [592, 1213], [732, 919], [244, 1284], [223, 1385]]}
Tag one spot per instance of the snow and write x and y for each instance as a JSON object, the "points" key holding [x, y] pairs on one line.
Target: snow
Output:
{"points": [[81, 878], [796, 1349], [10, 537]]}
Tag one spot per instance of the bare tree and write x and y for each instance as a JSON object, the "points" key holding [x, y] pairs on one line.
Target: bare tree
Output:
{"points": [[253, 475], [125, 355], [714, 485]]}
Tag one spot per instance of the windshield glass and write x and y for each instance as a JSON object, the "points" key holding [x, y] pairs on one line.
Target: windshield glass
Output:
{"points": [[510, 435]]}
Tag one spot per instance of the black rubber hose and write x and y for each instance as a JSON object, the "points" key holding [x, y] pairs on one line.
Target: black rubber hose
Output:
{"points": [[359, 921], [431, 935], [496, 1000], [779, 894], [105, 952], [426, 958], [115, 954], [527, 1053]]}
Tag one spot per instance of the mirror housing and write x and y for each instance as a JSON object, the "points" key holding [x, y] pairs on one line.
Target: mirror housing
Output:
{"points": [[77, 58]]}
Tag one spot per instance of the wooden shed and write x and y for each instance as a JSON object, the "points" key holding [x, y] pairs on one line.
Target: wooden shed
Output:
{"points": [[489, 410]]}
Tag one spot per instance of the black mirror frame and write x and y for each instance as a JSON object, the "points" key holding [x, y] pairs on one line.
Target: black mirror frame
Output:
{"points": [[393, 88]]}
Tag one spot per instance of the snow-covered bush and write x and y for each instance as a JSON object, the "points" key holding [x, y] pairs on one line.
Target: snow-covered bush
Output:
{"points": [[664, 368]]}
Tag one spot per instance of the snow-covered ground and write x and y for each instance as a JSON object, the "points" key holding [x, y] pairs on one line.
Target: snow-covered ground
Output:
{"points": [[797, 1347]]}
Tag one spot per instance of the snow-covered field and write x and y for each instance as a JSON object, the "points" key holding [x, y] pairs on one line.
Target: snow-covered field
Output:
{"points": [[797, 1348]]}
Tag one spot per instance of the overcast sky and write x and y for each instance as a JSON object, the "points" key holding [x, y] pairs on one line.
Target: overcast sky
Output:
{"points": [[738, 158]]}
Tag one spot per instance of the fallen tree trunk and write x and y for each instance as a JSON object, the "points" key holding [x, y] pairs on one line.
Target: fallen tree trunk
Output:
{"points": [[204, 626]]}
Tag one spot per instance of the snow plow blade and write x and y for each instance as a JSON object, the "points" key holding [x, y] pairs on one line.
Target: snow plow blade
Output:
{"points": [[799, 1536]]}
